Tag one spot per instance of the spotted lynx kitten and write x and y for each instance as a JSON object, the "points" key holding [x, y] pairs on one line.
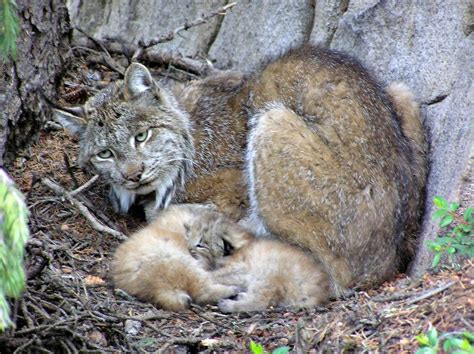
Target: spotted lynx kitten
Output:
{"points": [[272, 273], [311, 148]]}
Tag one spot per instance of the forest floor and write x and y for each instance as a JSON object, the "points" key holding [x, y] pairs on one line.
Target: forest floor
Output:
{"points": [[70, 304]]}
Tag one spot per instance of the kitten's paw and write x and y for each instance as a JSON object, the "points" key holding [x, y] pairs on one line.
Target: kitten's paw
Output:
{"points": [[234, 290], [227, 305], [175, 302]]}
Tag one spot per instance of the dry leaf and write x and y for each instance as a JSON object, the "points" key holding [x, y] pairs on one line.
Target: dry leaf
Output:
{"points": [[92, 280]]}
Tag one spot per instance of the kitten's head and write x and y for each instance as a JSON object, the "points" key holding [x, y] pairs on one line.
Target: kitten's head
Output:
{"points": [[212, 236], [135, 135]]}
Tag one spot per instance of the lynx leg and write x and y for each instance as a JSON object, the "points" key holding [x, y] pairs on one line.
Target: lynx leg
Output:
{"points": [[172, 300], [245, 302], [296, 190], [205, 290]]}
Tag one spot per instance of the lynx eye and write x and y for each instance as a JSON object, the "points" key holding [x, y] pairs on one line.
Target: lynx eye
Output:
{"points": [[105, 154], [141, 137]]}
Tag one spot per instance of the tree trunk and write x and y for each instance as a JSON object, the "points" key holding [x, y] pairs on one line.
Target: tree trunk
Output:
{"points": [[24, 82]]}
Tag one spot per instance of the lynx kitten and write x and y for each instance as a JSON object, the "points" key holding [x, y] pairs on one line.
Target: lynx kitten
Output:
{"points": [[272, 273], [155, 264]]}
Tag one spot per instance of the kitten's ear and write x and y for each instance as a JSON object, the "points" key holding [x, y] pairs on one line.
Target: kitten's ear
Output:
{"points": [[228, 248], [74, 124], [137, 80], [187, 227], [239, 237]]}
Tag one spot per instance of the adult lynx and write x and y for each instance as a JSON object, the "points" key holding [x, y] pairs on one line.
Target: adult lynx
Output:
{"points": [[333, 162]]}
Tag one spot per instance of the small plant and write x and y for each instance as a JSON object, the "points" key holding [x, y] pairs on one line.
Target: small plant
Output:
{"points": [[258, 349], [456, 343], [459, 230], [9, 29], [13, 236]]}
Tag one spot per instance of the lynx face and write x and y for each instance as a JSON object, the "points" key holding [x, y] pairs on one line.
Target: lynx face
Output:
{"points": [[135, 135], [212, 237]]}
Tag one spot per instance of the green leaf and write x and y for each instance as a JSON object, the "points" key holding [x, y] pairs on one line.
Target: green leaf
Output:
{"points": [[468, 214], [426, 350], [438, 214], [422, 339], [440, 202], [436, 259], [453, 206], [433, 337], [465, 345], [466, 228], [256, 348], [451, 250], [469, 336], [281, 350], [448, 219]]}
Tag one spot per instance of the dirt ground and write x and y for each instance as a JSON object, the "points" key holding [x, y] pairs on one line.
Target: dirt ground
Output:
{"points": [[70, 305]]}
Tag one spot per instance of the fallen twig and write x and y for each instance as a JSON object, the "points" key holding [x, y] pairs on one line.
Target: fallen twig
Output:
{"points": [[84, 186], [398, 296], [108, 60], [187, 25], [430, 293], [96, 224]]}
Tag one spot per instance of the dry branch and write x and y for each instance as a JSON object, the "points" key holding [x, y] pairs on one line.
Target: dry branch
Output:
{"points": [[96, 224], [187, 25], [142, 50], [430, 293]]}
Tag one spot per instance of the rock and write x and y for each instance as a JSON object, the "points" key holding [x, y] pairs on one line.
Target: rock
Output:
{"points": [[326, 19], [415, 42], [451, 127], [132, 21], [256, 30]]}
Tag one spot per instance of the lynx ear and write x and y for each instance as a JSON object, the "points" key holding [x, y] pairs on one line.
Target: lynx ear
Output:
{"points": [[137, 80], [75, 124]]}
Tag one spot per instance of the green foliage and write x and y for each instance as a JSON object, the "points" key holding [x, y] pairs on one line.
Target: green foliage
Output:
{"points": [[258, 349], [457, 229], [456, 343], [9, 29], [13, 236]]}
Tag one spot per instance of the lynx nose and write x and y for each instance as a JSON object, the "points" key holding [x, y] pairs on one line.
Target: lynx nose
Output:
{"points": [[133, 173]]}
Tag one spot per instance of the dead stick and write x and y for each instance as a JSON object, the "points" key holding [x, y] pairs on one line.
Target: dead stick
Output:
{"points": [[84, 186], [187, 25], [430, 293], [97, 225], [398, 296]]}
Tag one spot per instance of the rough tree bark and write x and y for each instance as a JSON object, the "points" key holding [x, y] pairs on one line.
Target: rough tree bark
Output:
{"points": [[42, 49]]}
